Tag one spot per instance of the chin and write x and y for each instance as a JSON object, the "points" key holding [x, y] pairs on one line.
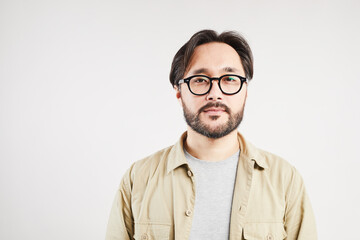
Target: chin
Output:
{"points": [[215, 126], [216, 118], [215, 121]]}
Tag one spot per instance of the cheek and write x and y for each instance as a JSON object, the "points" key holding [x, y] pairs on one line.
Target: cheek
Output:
{"points": [[191, 102], [237, 103]]}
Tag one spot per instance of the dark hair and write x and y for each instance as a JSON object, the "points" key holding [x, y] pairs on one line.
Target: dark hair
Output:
{"points": [[235, 40]]}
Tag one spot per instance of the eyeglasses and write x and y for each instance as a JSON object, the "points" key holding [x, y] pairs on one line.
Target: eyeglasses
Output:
{"points": [[201, 84]]}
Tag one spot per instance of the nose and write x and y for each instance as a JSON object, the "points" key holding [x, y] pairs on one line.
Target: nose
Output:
{"points": [[215, 93]]}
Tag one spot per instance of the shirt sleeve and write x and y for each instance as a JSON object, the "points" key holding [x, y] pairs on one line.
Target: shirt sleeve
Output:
{"points": [[120, 224], [299, 216]]}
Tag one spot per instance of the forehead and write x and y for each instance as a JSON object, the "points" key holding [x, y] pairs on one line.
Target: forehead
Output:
{"points": [[214, 56]]}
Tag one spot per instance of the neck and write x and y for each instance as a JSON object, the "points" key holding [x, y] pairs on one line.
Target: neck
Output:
{"points": [[209, 149]]}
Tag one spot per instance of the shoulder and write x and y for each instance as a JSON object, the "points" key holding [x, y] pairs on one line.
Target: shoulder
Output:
{"points": [[264, 159], [275, 162], [156, 165], [152, 162], [273, 166], [281, 172], [142, 170]]}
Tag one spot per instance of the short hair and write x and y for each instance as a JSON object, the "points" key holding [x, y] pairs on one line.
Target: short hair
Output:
{"points": [[234, 39]]}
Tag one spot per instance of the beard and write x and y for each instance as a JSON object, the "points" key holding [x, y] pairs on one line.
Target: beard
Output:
{"points": [[193, 120]]}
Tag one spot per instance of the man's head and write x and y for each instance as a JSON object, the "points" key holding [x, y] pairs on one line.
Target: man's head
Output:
{"points": [[212, 109]]}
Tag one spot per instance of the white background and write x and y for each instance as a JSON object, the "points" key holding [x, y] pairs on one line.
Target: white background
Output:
{"points": [[84, 92]]}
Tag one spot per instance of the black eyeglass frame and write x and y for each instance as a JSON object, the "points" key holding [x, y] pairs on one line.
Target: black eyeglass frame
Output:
{"points": [[187, 81]]}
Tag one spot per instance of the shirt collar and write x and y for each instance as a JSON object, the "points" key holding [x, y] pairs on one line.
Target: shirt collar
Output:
{"points": [[176, 155], [252, 153], [177, 158]]}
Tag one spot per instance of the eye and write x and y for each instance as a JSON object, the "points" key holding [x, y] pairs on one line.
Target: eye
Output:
{"points": [[230, 78], [200, 80]]}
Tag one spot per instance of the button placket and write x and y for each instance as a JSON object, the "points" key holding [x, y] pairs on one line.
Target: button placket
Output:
{"points": [[190, 174]]}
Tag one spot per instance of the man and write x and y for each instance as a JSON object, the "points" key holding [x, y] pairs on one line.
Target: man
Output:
{"points": [[212, 184]]}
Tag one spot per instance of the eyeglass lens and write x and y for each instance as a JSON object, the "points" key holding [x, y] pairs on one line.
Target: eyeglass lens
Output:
{"points": [[228, 84]]}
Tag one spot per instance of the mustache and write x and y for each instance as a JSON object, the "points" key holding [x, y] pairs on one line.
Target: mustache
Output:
{"points": [[216, 105]]}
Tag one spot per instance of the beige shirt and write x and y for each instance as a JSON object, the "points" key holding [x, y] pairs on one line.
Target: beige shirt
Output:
{"points": [[155, 199]]}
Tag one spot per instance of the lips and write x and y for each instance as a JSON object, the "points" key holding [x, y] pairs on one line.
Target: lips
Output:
{"points": [[214, 110]]}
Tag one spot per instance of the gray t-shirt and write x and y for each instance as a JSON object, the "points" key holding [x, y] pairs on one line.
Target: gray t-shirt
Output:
{"points": [[214, 188]]}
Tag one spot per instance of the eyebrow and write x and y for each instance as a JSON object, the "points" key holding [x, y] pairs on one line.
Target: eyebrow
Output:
{"points": [[230, 69], [206, 70]]}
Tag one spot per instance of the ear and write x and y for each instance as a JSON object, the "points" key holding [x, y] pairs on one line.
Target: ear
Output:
{"points": [[246, 92], [178, 94]]}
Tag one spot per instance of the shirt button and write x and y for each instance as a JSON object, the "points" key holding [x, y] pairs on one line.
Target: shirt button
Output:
{"points": [[144, 236], [269, 237], [242, 209], [188, 213], [190, 174]]}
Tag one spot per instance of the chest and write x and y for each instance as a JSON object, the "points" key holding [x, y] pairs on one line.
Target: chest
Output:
{"points": [[165, 210]]}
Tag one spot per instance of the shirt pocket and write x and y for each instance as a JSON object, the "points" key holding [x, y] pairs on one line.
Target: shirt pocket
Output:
{"points": [[264, 231], [151, 231]]}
